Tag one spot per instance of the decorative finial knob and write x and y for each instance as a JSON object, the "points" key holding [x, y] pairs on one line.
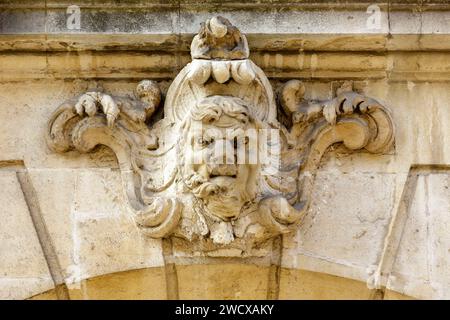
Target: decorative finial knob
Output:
{"points": [[218, 28], [218, 39]]}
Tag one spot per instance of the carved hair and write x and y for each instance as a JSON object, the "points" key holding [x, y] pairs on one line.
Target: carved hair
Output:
{"points": [[212, 108]]}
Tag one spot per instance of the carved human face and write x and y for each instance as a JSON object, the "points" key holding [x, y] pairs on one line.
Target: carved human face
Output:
{"points": [[218, 169]]}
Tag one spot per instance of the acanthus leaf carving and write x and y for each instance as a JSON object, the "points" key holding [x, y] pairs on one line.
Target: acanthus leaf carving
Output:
{"points": [[220, 170]]}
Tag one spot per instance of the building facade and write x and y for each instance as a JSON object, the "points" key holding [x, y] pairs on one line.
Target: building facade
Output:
{"points": [[224, 150]]}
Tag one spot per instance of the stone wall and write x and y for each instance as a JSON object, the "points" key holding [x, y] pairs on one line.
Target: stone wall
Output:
{"points": [[377, 226]]}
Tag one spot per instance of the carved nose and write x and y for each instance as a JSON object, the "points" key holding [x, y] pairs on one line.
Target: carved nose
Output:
{"points": [[224, 153], [223, 170]]}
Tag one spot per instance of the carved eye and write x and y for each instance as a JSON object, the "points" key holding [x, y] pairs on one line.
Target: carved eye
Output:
{"points": [[244, 140], [202, 141]]}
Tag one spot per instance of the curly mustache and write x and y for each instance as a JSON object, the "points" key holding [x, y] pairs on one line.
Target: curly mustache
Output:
{"points": [[205, 189]]}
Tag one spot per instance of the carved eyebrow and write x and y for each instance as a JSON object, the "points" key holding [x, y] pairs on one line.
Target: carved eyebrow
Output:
{"points": [[235, 132], [209, 119]]}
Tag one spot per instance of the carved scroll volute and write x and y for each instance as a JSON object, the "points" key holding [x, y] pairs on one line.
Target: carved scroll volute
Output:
{"points": [[96, 119], [354, 133], [356, 121]]}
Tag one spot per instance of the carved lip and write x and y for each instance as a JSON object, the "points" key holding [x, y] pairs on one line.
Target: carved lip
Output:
{"points": [[223, 170]]}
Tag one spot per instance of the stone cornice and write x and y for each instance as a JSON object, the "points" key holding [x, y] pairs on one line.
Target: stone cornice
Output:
{"points": [[307, 39], [214, 4], [308, 65], [179, 43], [268, 17]]}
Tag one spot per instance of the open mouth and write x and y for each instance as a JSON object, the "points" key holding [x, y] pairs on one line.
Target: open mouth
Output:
{"points": [[212, 176], [223, 170]]}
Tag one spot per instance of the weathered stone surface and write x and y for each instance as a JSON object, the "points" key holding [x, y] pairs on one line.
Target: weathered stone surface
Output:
{"points": [[84, 212], [300, 284], [421, 266], [140, 284], [23, 267], [212, 281], [348, 245], [343, 241]]}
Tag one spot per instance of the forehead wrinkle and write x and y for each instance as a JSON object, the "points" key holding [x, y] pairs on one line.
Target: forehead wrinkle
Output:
{"points": [[226, 121]]}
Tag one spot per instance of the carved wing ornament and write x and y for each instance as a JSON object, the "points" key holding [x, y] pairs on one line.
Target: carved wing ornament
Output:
{"points": [[225, 167]]}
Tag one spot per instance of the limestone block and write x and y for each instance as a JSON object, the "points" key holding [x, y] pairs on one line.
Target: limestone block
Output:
{"points": [[435, 22], [91, 231], [23, 267], [421, 266], [147, 21], [141, 284], [344, 230], [185, 17], [406, 22], [23, 21], [222, 281], [307, 285]]}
